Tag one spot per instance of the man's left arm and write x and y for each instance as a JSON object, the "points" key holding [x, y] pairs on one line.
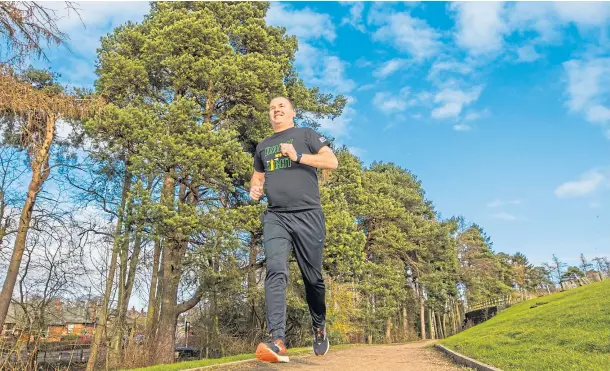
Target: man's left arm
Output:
{"points": [[324, 159]]}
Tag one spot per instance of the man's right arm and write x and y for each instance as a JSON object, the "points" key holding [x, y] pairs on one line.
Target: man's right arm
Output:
{"points": [[256, 185], [258, 177]]}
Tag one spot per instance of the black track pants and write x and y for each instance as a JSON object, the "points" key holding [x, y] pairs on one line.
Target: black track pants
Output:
{"points": [[304, 232]]}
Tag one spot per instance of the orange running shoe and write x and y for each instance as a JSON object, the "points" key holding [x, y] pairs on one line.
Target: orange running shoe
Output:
{"points": [[274, 351]]}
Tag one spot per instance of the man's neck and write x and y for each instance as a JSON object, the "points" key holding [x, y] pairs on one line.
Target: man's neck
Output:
{"points": [[284, 126]]}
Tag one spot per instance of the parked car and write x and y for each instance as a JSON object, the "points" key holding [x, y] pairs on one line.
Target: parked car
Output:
{"points": [[183, 353]]}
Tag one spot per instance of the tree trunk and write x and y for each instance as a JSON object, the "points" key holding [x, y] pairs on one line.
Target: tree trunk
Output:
{"points": [[437, 332], [454, 319], [254, 241], [422, 316], [217, 340], [128, 288], [131, 276], [166, 334], [3, 227], [405, 322], [127, 278], [388, 331], [40, 173], [151, 316], [440, 326], [100, 331], [173, 253], [154, 315], [431, 324], [369, 321], [117, 339], [458, 316]]}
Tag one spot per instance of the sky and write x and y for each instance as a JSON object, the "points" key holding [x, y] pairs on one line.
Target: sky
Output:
{"points": [[501, 110]]}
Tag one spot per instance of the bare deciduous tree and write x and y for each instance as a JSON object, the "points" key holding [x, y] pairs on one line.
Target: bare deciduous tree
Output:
{"points": [[33, 113], [25, 28]]}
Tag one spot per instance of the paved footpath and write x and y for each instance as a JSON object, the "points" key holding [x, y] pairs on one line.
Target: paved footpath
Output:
{"points": [[417, 356]]}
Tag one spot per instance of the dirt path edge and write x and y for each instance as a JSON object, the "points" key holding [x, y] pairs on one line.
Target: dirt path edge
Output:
{"points": [[465, 361], [221, 364]]}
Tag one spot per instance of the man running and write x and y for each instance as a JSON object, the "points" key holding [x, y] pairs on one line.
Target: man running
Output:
{"points": [[285, 170]]}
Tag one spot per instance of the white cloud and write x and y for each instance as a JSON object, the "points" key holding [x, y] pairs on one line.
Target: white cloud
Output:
{"points": [[99, 13], [587, 80], [462, 127], [78, 72], [339, 127], [480, 26], [447, 103], [535, 16], [95, 19], [393, 103], [318, 68], [408, 34], [598, 114], [363, 62], [378, 13], [549, 19], [389, 67], [389, 103], [586, 184], [499, 202], [475, 115], [357, 151], [355, 16], [453, 100], [305, 24], [583, 14], [63, 129], [527, 53], [504, 216], [441, 66], [588, 89], [366, 87], [333, 74]]}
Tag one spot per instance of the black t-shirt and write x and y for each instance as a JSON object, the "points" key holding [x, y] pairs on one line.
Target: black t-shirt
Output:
{"points": [[289, 186]]}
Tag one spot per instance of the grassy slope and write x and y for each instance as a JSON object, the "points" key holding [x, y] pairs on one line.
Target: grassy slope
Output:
{"points": [[570, 332], [215, 361]]}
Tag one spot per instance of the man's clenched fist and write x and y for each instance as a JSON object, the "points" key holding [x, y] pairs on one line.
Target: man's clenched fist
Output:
{"points": [[288, 150], [256, 192]]}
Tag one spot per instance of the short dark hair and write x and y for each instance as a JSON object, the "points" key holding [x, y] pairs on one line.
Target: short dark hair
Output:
{"points": [[281, 96]]}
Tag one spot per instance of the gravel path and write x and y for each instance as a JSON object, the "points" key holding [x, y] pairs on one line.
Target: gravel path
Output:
{"points": [[405, 357]]}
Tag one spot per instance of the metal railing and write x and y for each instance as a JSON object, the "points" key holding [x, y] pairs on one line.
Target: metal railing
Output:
{"points": [[500, 302]]}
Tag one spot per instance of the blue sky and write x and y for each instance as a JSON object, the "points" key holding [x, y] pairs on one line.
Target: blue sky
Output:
{"points": [[501, 110]]}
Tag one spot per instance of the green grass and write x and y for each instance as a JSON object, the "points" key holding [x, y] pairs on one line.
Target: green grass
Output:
{"points": [[570, 332], [240, 357]]}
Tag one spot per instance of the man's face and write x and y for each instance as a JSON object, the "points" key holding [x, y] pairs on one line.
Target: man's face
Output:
{"points": [[280, 111]]}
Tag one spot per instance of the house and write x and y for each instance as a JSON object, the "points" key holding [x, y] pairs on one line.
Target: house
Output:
{"points": [[51, 321], [71, 319], [13, 328]]}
